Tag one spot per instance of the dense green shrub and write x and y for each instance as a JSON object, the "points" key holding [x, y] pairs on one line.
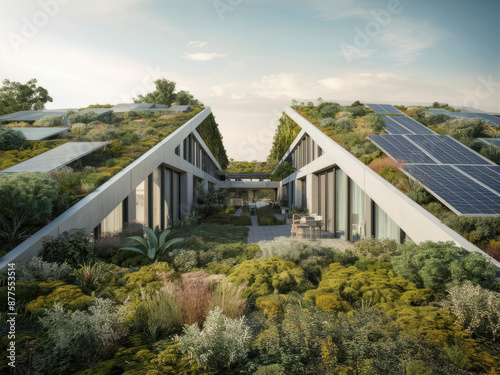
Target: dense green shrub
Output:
{"points": [[439, 265], [49, 121], [76, 338], [221, 345], [11, 139], [26, 199], [268, 276], [327, 122], [376, 123], [329, 109], [342, 126], [73, 248], [209, 202], [374, 249], [209, 132], [223, 218]]}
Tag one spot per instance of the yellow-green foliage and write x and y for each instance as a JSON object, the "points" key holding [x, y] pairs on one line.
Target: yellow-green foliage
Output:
{"points": [[267, 276], [69, 296], [331, 302], [140, 361], [352, 285], [147, 279], [272, 305]]}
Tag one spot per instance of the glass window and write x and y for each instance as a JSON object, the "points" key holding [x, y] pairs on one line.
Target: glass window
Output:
{"points": [[385, 227], [340, 203], [358, 212]]}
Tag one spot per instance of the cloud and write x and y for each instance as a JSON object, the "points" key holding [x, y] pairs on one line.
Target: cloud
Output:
{"points": [[283, 85], [202, 56], [336, 9], [197, 44]]}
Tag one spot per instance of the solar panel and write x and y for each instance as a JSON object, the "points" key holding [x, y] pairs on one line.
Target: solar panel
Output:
{"points": [[448, 150], [489, 119], [56, 158], [401, 149], [38, 134], [487, 175], [457, 191], [384, 109], [496, 141], [393, 127], [414, 126], [439, 111]]}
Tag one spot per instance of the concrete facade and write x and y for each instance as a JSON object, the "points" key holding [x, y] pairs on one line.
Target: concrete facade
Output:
{"points": [[88, 213]]}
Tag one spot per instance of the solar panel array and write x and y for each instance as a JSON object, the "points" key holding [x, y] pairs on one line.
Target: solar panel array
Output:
{"points": [[384, 109], [487, 118], [404, 125], [124, 107], [38, 134], [489, 141], [56, 158], [462, 179], [462, 194]]}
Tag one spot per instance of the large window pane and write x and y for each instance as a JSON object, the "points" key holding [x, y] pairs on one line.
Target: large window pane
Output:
{"points": [[385, 227], [340, 203], [358, 212]]}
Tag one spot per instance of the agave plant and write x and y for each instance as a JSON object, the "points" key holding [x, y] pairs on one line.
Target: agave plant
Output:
{"points": [[150, 246]]}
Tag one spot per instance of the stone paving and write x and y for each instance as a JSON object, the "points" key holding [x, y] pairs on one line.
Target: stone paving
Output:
{"points": [[270, 232]]}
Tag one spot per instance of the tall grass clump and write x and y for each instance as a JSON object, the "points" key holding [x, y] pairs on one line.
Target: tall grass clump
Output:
{"points": [[228, 297]]}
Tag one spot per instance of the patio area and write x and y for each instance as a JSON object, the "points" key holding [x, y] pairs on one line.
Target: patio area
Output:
{"points": [[268, 233]]}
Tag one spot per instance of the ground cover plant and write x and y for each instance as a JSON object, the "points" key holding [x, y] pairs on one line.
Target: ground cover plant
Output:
{"points": [[218, 305]]}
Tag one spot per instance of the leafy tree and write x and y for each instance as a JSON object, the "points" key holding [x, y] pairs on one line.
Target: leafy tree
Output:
{"points": [[357, 103], [436, 105], [439, 265], [185, 98], [11, 139], [15, 96], [164, 93], [285, 134], [26, 199], [329, 109], [282, 171]]}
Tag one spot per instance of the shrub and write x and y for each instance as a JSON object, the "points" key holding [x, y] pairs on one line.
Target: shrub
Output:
{"points": [[68, 296], [11, 139], [221, 345], [329, 109], [282, 171], [37, 269], [49, 121], [73, 248], [185, 260], [75, 338], [343, 125], [327, 122], [376, 123], [477, 309], [374, 249], [26, 199], [439, 265], [268, 276], [151, 246]]}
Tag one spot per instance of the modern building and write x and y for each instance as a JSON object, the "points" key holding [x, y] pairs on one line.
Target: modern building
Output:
{"points": [[158, 189]]}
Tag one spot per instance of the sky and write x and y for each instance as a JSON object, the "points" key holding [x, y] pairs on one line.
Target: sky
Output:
{"points": [[248, 59]]}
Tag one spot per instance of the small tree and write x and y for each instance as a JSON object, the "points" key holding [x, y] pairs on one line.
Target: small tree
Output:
{"points": [[15, 96], [11, 139], [164, 93], [185, 98], [26, 199]]}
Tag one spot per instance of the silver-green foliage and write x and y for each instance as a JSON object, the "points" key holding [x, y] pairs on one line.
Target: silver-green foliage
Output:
{"points": [[374, 249], [49, 121], [221, 344], [327, 122], [285, 248], [150, 246], [477, 309], [37, 269], [76, 337]]}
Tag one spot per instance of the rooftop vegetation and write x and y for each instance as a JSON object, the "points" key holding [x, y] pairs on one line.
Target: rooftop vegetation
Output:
{"points": [[349, 127], [214, 304], [130, 135]]}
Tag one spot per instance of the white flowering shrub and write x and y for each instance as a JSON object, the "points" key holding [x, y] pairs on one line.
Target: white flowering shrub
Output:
{"points": [[293, 250], [221, 345], [477, 310], [37, 269]]}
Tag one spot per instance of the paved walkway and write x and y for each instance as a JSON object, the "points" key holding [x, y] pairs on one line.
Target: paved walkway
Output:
{"points": [[270, 232]]}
